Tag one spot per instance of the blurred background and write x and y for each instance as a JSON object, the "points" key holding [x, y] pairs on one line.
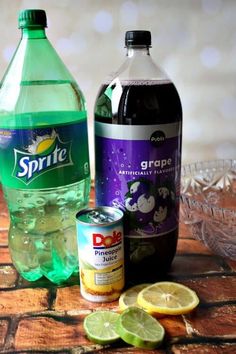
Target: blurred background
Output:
{"points": [[194, 41]]}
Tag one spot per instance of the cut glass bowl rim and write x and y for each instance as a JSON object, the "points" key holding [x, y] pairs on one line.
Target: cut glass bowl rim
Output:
{"points": [[209, 210]]}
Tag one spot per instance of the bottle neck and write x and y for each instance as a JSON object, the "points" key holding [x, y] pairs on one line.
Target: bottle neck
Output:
{"points": [[134, 51], [33, 33]]}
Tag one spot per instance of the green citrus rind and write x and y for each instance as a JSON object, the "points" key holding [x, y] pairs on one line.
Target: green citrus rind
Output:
{"points": [[138, 328], [100, 327]]}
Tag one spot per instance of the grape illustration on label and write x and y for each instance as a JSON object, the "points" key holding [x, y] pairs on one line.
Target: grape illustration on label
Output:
{"points": [[147, 207]]}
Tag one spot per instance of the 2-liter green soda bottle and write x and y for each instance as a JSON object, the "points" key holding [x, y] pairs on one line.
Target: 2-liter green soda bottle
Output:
{"points": [[43, 155]]}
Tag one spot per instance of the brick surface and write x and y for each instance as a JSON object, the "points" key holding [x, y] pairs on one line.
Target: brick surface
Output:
{"points": [[69, 299], [3, 206], [3, 237], [8, 277], [45, 332], [193, 265], [3, 332], [5, 257], [23, 301], [61, 331], [215, 289], [184, 231], [204, 349], [174, 326], [4, 221], [232, 264], [186, 246], [213, 322], [130, 350], [92, 195]]}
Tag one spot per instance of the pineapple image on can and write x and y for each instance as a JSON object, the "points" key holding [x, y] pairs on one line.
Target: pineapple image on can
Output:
{"points": [[101, 253]]}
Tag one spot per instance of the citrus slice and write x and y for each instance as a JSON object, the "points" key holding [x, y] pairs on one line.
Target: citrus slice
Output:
{"points": [[168, 298], [100, 327], [140, 329], [129, 297]]}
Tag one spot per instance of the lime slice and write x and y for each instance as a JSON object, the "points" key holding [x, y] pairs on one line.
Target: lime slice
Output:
{"points": [[168, 298], [140, 329], [129, 297], [100, 327]]}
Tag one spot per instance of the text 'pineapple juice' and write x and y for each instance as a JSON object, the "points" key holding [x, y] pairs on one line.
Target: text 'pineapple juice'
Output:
{"points": [[101, 253]]}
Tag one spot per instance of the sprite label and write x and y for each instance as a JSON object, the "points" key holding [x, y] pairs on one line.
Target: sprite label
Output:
{"points": [[45, 157]]}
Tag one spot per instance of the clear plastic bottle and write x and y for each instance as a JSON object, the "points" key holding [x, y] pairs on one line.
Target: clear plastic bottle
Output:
{"points": [[138, 119], [43, 155]]}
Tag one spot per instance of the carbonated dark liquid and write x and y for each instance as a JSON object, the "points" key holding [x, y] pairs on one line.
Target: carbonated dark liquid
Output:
{"points": [[139, 103], [138, 156]]}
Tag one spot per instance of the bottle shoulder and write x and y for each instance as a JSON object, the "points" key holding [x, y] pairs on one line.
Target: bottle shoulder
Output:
{"points": [[37, 79], [138, 102], [34, 60], [138, 67]]}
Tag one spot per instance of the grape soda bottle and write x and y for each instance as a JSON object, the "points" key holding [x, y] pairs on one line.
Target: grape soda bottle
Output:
{"points": [[43, 155], [138, 118]]}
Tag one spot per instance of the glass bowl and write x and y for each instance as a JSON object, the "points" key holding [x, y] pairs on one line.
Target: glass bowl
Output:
{"points": [[208, 204]]}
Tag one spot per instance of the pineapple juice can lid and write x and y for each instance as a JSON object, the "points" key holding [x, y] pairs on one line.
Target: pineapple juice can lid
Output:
{"points": [[100, 237]]}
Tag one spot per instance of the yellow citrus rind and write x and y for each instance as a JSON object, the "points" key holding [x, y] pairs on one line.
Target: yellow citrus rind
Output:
{"points": [[168, 298]]}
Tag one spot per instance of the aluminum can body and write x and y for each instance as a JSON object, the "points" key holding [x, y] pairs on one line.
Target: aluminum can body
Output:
{"points": [[101, 253]]}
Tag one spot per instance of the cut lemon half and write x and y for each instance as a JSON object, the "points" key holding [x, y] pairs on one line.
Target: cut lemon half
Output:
{"points": [[168, 298], [138, 328], [100, 327], [129, 297]]}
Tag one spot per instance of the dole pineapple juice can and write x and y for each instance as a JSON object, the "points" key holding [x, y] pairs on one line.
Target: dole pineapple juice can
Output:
{"points": [[101, 253]]}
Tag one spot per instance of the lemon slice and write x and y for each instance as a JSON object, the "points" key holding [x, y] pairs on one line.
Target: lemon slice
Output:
{"points": [[138, 328], [168, 298], [100, 327], [129, 297]]}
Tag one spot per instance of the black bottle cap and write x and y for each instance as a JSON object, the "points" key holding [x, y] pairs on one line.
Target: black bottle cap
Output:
{"points": [[138, 38], [32, 18]]}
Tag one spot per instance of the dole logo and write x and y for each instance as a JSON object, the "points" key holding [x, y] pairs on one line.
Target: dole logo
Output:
{"points": [[100, 240]]}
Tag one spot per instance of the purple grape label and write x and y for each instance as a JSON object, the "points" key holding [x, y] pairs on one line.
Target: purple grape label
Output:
{"points": [[138, 171]]}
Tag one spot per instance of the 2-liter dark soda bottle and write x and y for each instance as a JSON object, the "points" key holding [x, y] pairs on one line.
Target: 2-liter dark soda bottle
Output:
{"points": [[138, 125]]}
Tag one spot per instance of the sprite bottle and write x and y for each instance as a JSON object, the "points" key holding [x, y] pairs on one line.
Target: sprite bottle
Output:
{"points": [[44, 156]]}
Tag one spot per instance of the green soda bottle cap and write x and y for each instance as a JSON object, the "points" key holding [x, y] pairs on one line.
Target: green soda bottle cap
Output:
{"points": [[32, 18]]}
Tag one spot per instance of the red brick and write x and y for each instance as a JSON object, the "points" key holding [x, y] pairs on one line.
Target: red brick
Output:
{"points": [[174, 326], [23, 301], [185, 231], [129, 350], [48, 351], [215, 289], [231, 263], [4, 221], [194, 265], [213, 322], [3, 332], [8, 277], [69, 299], [92, 198], [5, 257], [192, 246], [3, 237], [3, 206], [43, 333], [204, 348]]}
